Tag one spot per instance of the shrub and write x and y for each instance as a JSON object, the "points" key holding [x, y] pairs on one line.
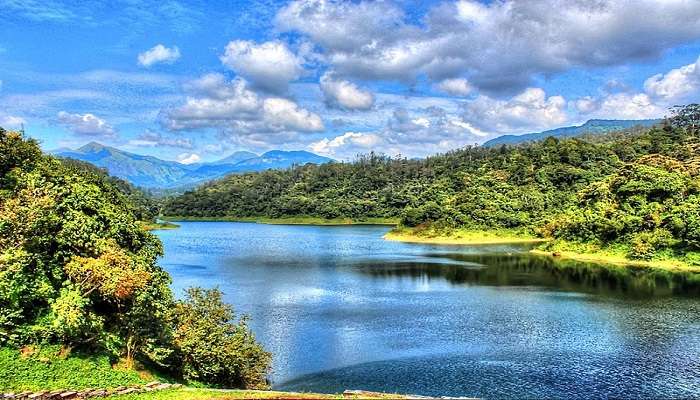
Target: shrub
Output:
{"points": [[214, 347]]}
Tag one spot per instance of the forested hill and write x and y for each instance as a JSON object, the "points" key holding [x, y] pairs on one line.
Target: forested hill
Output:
{"points": [[640, 188], [591, 127]]}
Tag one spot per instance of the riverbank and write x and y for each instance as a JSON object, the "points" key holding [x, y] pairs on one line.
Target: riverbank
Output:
{"points": [[617, 257], [291, 220], [188, 393], [460, 236], [154, 226], [42, 369], [544, 247]]}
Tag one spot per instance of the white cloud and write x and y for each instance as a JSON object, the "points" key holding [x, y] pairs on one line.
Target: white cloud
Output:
{"points": [[621, 105], [346, 145], [158, 54], [240, 110], [85, 124], [675, 85], [499, 46], [344, 94], [269, 65], [188, 158], [282, 114], [456, 87], [11, 122], [529, 110]]}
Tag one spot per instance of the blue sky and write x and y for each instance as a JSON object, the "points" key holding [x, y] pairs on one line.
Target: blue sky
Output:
{"points": [[196, 80]]}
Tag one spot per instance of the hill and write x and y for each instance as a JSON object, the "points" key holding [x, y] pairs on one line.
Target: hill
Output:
{"points": [[153, 173], [634, 193], [591, 127]]}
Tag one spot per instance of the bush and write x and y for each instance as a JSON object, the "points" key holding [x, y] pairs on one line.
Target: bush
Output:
{"points": [[213, 347]]}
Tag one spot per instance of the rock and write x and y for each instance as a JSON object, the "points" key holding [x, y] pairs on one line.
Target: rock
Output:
{"points": [[127, 391], [176, 386], [152, 384], [37, 395], [8, 395], [163, 386], [68, 395]]}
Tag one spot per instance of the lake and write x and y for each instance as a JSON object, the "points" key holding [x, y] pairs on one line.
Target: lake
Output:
{"points": [[341, 308]]}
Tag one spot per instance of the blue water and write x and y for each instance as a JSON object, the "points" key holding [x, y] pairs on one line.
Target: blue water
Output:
{"points": [[341, 308]]}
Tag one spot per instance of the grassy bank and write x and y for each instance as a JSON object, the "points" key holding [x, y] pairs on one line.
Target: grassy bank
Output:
{"points": [[666, 261], [460, 236], [292, 220], [53, 367], [153, 226], [212, 394], [581, 252]]}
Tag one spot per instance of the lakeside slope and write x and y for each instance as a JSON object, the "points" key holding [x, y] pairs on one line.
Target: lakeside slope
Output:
{"points": [[542, 247]]}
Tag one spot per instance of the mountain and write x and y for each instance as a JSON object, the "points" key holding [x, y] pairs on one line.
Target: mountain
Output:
{"points": [[593, 126], [154, 173], [235, 158]]}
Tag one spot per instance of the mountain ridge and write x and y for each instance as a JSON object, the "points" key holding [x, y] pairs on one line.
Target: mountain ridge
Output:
{"points": [[154, 173], [592, 126]]}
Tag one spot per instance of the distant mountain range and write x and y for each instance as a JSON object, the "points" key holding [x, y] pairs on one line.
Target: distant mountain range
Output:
{"points": [[153, 173], [593, 127]]}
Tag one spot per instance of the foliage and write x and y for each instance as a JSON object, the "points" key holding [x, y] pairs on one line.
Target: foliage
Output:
{"points": [[77, 268], [215, 348], [636, 188], [50, 367]]}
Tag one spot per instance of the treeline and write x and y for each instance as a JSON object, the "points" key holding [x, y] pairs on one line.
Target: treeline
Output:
{"points": [[636, 189], [77, 269]]}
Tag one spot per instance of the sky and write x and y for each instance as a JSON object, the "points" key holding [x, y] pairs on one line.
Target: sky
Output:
{"points": [[197, 80]]}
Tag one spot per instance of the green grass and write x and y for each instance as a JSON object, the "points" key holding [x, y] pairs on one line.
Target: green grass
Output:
{"points": [[209, 394], [46, 368], [152, 226], [293, 220], [617, 255], [460, 236]]}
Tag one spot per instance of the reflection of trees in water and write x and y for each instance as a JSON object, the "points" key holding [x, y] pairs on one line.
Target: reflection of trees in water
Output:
{"points": [[532, 270]]}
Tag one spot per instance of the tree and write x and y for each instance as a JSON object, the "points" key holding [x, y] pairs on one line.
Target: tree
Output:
{"points": [[216, 348]]}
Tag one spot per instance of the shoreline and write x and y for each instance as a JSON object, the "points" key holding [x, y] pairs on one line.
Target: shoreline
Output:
{"points": [[475, 237], [463, 237], [312, 221], [674, 266]]}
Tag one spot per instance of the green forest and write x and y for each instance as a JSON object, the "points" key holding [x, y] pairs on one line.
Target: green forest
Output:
{"points": [[636, 191], [78, 274]]}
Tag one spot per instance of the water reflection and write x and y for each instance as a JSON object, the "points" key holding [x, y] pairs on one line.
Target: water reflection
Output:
{"points": [[340, 308], [524, 269]]}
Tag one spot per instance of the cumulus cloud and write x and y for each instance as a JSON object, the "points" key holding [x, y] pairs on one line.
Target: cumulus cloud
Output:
{"points": [[344, 94], [675, 85], [529, 110], [239, 109], [86, 124], [11, 121], [498, 46], [346, 145], [270, 65], [660, 92], [188, 158], [455, 87], [158, 54]]}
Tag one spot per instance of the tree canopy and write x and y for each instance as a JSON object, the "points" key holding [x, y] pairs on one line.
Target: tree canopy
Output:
{"points": [[77, 268], [636, 187]]}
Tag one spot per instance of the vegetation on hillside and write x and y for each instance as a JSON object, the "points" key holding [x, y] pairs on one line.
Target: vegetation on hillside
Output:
{"points": [[637, 191], [78, 269]]}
